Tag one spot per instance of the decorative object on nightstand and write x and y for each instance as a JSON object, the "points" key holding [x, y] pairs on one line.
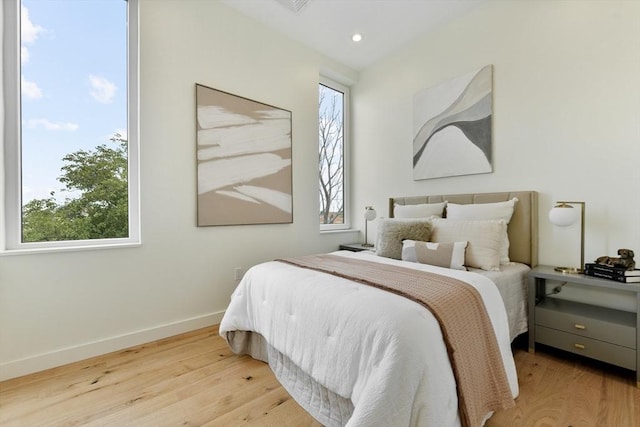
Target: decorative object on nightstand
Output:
{"points": [[369, 215], [620, 269], [564, 215], [625, 260], [591, 330]]}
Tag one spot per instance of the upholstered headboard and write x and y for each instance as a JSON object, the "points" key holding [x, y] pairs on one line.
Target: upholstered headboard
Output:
{"points": [[523, 227]]}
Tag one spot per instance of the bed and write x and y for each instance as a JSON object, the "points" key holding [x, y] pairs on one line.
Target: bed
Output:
{"points": [[353, 354]]}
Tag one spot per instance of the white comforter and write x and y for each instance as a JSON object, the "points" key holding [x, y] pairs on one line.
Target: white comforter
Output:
{"points": [[384, 352]]}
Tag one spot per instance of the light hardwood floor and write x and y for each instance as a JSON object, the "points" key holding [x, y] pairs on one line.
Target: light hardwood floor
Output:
{"points": [[194, 380]]}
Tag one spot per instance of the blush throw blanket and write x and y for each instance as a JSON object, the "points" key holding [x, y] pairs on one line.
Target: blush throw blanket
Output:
{"points": [[467, 330], [380, 353]]}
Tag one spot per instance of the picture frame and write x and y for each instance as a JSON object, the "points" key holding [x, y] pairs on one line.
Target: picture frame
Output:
{"points": [[452, 122], [244, 160]]}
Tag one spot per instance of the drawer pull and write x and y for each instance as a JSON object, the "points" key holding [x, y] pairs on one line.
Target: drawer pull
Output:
{"points": [[580, 346], [579, 326]]}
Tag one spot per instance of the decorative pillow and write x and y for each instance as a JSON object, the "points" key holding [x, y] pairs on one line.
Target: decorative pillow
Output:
{"points": [[484, 237], [424, 210], [391, 233], [448, 255], [499, 210]]}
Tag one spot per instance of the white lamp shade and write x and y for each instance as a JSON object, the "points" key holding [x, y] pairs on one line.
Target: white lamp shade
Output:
{"points": [[563, 215], [369, 213]]}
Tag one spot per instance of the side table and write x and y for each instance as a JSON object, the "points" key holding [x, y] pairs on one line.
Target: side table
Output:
{"points": [[356, 247], [594, 331]]}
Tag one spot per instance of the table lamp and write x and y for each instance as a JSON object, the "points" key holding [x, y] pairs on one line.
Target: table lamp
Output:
{"points": [[563, 214], [369, 215]]}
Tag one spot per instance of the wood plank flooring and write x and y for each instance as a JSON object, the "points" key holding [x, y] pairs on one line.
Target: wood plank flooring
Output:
{"points": [[558, 389], [194, 380]]}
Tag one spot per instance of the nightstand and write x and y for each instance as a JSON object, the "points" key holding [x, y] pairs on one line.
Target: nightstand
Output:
{"points": [[601, 333], [356, 247]]}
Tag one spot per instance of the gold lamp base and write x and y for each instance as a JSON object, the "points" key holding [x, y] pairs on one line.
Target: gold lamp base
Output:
{"points": [[367, 245], [569, 270]]}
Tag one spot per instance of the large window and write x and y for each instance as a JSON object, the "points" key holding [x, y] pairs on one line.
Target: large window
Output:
{"points": [[70, 71], [333, 150]]}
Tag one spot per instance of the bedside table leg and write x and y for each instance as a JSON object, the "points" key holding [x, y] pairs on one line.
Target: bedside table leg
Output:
{"points": [[637, 339], [533, 287]]}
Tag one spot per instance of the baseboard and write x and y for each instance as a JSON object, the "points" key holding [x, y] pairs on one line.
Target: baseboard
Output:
{"points": [[29, 365]]}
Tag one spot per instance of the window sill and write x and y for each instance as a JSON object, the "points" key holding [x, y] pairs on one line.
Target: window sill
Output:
{"points": [[41, 250], [340, 231]]}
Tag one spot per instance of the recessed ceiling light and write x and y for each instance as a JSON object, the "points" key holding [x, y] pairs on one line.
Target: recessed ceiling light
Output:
{"points": [[356, 37]]}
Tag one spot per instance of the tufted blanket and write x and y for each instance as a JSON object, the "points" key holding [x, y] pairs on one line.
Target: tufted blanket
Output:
{"points": [[467, 331], [384, 353]]}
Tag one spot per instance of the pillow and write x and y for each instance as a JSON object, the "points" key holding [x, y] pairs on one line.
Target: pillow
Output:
{"points": [[391, 233], [424, 210], [448, 255], [484, 237], [499, 210]]}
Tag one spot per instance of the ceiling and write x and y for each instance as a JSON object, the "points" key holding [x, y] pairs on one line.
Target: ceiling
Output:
{"points": [[328, 25]]}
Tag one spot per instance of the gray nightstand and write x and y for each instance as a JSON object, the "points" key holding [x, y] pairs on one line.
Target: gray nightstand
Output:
{"points": [[593, 331], [356, 247]]}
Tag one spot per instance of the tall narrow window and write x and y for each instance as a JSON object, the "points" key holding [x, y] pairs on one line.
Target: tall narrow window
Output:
{"points": [[333, 143], [71, 123]]}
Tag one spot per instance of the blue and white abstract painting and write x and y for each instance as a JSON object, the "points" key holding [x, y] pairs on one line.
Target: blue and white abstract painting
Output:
{"points": [[244, 160], [452, 127]]}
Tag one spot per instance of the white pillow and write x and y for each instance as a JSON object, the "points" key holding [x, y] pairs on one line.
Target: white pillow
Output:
{"points": [[448, 255], [424, 210], [484, 237], [496, 211]]}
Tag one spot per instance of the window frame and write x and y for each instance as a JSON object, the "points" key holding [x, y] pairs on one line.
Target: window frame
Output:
{"points": [[346, 150], [10, 156]]}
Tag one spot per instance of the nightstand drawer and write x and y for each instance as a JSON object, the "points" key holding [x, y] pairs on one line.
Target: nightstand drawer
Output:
{"points": [[616, 327], [610, 353]]}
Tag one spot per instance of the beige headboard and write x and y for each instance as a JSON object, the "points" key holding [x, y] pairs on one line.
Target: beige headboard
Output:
{"points": [[523, 228]]}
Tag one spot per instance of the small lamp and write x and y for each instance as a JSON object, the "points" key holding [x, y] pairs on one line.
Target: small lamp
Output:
{"points": [[564, 214], [369, 215]]}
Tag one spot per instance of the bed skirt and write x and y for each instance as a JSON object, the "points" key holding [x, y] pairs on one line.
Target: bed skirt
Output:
{"points": [[329, 408]]}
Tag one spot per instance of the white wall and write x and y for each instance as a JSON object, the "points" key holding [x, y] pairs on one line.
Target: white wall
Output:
{"points": [[566, 99], [566, 115], [59, 307]]}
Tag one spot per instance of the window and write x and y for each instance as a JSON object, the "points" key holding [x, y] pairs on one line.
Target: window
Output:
{"points": [[70, 80], [333, 149]]}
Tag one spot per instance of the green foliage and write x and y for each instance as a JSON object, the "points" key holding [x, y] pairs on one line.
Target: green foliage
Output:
{"points": [[100, 210]]}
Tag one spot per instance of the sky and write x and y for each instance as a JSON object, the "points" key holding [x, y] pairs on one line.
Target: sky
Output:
{"points": [[74, 93]]}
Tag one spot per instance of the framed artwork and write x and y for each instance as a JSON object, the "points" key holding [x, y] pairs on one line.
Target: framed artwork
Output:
{"points": [[452, 127], [243, 160]]}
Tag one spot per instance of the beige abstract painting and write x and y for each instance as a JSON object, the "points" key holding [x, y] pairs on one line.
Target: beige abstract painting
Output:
{"points": [[243, 160]]}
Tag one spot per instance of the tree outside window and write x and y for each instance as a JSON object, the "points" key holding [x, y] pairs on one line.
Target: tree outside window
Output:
{"points": [[331, 171]]}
